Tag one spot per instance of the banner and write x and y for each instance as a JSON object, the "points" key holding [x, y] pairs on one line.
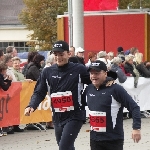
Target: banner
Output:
{"points": [[141, 94], [14, 101], [97, 5]]}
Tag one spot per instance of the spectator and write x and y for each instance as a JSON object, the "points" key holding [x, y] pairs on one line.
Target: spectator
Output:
{"points": [[147, 64], [102, 56], [130, 68], [33, 68], [16, 69], [138, 58], [8, 61], [11, 50], [49, 61], [1, 55], [143, 69], [132, 51], [92, 57], [79, 52], [5, 80], [5, 83], [121, 53], [72, 51], [110, 57], [30, 60], [116, 68], [120, 50]]}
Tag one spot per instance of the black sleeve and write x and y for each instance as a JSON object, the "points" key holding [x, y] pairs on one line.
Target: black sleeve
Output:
{"points": [[85, 76], [129, 70], [142, 69], [35, 72], [40, 91], [126, 100], [5, 85]]}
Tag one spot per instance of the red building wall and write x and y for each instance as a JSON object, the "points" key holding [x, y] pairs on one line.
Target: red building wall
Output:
{"points": [[126, 31], [107, 32]]}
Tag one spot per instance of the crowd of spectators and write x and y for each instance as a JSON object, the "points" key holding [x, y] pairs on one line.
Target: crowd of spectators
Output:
{"points": [[125, 63]]}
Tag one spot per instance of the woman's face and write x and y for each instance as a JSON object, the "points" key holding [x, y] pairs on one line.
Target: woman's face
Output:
{"points": [[9, 63], [130, 61], [16, 64], [93, 58]]}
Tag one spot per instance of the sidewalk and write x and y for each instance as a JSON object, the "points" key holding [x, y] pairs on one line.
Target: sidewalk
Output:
{"points": [[36, 140]]}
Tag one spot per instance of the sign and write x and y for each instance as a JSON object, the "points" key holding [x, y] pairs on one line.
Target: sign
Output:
{"points": [[98, 5], [14, 101]]}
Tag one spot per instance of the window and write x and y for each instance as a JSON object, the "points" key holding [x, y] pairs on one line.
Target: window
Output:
{"points": [[20, 46]]}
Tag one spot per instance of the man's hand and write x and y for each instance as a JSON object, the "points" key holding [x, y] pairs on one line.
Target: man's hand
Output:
{"points": [[136, 135], [28, 111]]}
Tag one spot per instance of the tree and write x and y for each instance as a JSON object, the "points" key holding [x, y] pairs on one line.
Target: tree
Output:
{"points": [[134, 4], [40, 16]]}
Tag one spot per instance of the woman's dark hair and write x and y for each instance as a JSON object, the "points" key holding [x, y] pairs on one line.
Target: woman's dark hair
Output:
{"points": [[31, 56], [1, 52], [37, 59], [2, 66], [7, 57]]}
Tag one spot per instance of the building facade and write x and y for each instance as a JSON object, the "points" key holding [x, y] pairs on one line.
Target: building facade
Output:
{"points": [[12, 32]]}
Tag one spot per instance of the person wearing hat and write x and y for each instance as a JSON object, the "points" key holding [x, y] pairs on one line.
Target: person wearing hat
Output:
{"points": [[106, 101], [79, 52], [63, 81]]}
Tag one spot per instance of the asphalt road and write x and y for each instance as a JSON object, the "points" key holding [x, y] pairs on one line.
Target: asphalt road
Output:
{"points": [[36, 140]]}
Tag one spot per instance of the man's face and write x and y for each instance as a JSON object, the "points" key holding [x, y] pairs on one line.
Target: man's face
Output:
{"points": [[61, 58], [72, 52], [14, 53], [80, 54], [16, 64], [97, 77]]}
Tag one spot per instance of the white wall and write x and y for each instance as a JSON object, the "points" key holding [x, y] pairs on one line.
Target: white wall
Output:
{"points": [[8, 34]]}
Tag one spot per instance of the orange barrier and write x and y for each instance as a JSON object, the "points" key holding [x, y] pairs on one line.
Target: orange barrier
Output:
{"points": [[14, 101]]}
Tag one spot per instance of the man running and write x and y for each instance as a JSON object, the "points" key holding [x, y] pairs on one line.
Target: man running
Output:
{"points": [[64, 81], [106, 101]]}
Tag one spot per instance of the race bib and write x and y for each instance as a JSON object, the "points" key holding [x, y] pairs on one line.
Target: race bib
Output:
{"points": [[98, 121], [62, 101]]}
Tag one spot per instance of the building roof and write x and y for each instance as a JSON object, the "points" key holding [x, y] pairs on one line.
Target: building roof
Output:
{"points": [[9, 11]]}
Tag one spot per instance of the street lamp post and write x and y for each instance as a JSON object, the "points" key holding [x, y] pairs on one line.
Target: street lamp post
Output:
{"points": [[78, 23], [70, 23]]}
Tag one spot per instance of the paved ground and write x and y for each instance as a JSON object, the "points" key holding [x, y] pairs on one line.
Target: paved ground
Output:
{"points": [[36, 140]]}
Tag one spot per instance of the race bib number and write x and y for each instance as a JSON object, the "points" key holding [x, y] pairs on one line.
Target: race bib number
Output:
{"points": [[98, 121], [62, 101]]}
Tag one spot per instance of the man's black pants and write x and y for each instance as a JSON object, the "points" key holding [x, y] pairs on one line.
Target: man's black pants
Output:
{"points": [[107, 145], [66, 134]]}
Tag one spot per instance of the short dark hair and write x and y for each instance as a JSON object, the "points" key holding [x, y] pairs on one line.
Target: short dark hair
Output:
{"points": [[9, 49], [2, 66], [7, 57], [1, 52], [31, 56], [38, 58]]}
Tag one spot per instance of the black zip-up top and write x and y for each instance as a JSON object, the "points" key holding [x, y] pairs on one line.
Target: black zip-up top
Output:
{"points": [[110, 101], [61, 79]]}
